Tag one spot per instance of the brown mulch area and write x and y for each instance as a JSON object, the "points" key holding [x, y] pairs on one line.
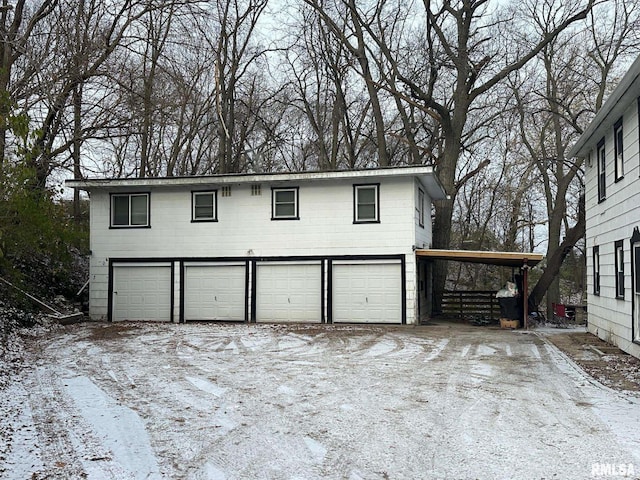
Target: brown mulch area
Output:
{"points": [[605, 362]]}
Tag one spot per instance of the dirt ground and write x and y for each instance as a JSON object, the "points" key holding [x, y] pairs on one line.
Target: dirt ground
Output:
{"points": [[604, 362]]}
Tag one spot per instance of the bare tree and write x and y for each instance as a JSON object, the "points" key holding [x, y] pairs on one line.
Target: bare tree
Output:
{"points": [[465, 63], [229, 33], [575, 78]]}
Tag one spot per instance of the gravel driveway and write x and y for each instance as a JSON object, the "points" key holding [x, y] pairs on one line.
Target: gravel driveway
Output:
{"points": [[228, 401]]}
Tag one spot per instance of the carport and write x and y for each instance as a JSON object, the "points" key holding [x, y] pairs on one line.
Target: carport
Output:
{"points": [[522, 260]]}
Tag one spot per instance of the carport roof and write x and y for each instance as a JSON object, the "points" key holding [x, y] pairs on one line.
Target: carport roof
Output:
{"points": [[507, 259]]}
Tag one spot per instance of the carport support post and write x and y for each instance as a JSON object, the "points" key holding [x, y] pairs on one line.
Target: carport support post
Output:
{"points": [[525, 287]]}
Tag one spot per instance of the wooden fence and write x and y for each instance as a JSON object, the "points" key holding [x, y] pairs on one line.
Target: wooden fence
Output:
{"points": [[467, 304]]}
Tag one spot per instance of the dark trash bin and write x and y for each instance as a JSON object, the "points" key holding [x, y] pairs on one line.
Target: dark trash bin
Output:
{"points": [[509, 308]]}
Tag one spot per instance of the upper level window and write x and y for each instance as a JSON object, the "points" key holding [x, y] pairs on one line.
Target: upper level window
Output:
{"points": [[619, 148], [204, 206], [366, 205], [596, 270], [619, 248], [602, 186], [420, 207], [130, 210], [284, 203]]}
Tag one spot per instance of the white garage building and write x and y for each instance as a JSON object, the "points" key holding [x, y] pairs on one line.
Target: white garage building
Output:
{"points": [[320, 247]]}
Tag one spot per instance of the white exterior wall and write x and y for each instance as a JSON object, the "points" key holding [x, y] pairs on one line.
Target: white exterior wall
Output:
{"points": [[423, 240], [245, 229], [607, 222]]}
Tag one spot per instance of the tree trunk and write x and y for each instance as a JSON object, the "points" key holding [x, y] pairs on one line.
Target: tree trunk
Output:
{"points": [[441, 236], [77, 143], [554, 261]]}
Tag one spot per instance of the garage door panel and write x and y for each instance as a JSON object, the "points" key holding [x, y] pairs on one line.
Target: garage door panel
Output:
{"points": [[367, 293], [288, 293], [215, 292], [142, 293]]}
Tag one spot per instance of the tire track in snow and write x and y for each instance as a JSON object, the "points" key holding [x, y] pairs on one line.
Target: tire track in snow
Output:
{"points": [[77, 450], [439, 348]]}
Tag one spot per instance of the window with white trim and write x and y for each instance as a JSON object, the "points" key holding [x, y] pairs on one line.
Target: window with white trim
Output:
{"points": [[129, 210], [284, 203], [619, 250], [619, 148], [204, 206], [366, 203]]}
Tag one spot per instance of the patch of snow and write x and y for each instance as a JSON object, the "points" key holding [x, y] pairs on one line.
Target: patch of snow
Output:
{"points": [[120, 427], [206, 386]]}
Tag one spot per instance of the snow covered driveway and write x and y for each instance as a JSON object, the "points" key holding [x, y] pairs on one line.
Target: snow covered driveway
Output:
{"points": [[212, 401]]}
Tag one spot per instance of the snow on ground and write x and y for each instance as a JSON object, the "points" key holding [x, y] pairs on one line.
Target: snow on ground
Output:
{"points": [[215, 401]]}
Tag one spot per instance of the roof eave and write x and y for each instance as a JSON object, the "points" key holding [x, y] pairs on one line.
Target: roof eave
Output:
{"points": [[628, 89], [426, 174]]}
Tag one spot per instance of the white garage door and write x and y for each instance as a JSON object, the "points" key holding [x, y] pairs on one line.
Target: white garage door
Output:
{"points": [[367, 293], [214, 292], [288, 292], [142, 292]]}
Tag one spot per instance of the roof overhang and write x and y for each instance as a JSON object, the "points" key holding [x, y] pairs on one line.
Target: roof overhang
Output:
{"points": [[627, 91], [507, 259], [426, 175]]}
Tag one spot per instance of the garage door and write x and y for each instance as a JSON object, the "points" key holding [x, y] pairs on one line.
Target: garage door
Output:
{"points": [[367, 293], [214, 292], [288, 292], [142, 292]]}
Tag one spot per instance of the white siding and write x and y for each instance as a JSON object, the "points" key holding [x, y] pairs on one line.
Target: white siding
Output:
{"points": [[423, 234], [245, 230], [607, 222], [423, 240]]}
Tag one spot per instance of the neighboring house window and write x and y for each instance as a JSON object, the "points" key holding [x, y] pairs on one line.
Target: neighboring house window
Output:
{"points": [[619, 248], [226, 191], [596, 270], [602, 186], [420, 207], [619, 148], [284, 203], [130, 210], [366, 203], [204, 206], [255, 190], [636, 257]]}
